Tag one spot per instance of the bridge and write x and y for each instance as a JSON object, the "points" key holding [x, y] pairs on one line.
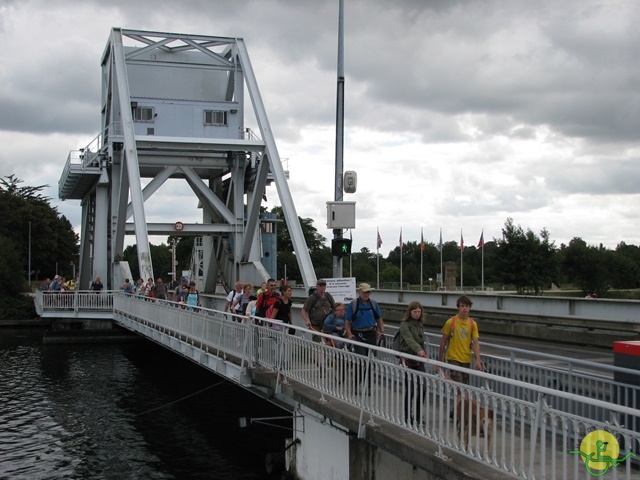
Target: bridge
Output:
{"points": [[173, 109], [527, 419]]}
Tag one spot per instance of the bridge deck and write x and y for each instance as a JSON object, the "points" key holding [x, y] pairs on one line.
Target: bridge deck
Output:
{"points": [[536, 429]]}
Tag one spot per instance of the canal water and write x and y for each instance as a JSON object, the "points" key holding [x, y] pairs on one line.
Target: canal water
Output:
{"points": [[125, 411]]}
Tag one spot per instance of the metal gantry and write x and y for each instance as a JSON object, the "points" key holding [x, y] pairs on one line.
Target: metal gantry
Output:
{"points": [[173, 107]]}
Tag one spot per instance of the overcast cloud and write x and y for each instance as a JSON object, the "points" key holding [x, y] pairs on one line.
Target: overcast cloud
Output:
{"points": [[459, 114]]}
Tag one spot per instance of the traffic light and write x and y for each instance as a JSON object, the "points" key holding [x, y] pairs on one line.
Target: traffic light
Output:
{"points": [[341, 247]]}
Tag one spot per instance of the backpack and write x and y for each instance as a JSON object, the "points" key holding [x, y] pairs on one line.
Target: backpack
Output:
{"points": [[374, 309], [263, 303], [185, 297], [315, 301], [269, 311], [397, 341]]}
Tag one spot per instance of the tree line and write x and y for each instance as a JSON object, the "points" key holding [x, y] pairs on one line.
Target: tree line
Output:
{"points": [[520, 259]]}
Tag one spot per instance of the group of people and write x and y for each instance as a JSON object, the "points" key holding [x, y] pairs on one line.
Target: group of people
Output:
{"points": [[185, 293], [58, 285], [460, 337], [361, 320], [267, 302]]}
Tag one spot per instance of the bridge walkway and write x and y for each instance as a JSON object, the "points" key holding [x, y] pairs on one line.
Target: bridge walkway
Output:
{"points": [[536, 430]]}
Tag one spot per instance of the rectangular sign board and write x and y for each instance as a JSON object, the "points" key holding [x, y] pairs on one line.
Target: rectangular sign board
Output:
{"points": [[342, 289]]}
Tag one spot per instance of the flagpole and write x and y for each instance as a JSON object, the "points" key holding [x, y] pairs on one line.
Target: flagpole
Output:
{"points": [[441, 272], [400, 258], [421, 255], [482, 256], [350, 256], [461, 262], [378, 244], [483, 267]]}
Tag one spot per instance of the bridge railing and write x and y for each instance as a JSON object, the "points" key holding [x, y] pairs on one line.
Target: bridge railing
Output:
{"points": [[77, 300], [581, 377], [528, 437]]}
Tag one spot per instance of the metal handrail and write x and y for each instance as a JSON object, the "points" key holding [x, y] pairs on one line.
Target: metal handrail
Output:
{"points": [[532, 433], [528, 437]]}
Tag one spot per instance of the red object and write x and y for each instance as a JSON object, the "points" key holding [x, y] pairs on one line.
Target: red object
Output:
{"points": [[627, 348], [179, 226]]}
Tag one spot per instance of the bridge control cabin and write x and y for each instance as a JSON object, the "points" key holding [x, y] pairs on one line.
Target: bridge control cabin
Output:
{"points": [[173, 107]]}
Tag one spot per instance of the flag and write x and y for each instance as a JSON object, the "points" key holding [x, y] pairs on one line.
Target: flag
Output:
{"points": [[379, 240], [481, 242], [400, 239], [461, 241], [421, 241], [440, 244]]}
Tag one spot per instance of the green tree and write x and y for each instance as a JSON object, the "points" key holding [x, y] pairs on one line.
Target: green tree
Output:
{"points": [[15, 304], [54, 244], [588, 267], [10, 263], [364, 265], [316, 244], [525, 260], [390, 274], [626, 271], [160, 258]]}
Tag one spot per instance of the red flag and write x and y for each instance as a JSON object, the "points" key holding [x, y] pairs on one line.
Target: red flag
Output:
{"points": [[421, 241], [481, 242], [461, 241], [379, 240]]}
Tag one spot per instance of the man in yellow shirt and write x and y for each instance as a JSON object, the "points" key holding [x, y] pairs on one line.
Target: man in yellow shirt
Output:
{"points": [[461, 340], [70, 285]]}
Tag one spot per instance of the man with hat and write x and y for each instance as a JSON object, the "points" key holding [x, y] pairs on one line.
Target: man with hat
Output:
{"points": [[317, 307], [363, 321]]}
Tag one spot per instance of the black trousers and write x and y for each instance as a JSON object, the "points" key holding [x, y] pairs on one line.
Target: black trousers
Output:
{"points": [[365, 338], [410, 390]]}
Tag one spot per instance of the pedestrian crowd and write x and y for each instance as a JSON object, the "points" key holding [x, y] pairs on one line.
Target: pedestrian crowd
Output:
{"points": [[359, 320]]}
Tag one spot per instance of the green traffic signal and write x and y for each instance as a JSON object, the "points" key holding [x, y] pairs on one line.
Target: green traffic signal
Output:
{"points": [[341, 247]]}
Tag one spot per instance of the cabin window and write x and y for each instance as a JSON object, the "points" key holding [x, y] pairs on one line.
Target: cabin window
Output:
{"points": [[215, 117], [143, 114]]}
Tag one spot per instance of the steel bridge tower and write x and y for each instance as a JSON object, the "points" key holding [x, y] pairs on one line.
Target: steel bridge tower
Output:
{"points": [[173, 107]]}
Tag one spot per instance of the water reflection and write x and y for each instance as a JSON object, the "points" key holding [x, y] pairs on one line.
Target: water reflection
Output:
{"points": [[111, 411]]}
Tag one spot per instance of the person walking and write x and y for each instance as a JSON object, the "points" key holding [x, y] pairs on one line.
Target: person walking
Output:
{"points": [[160, 289], [363, 320], [412, 340], [459, 337], [334, 324], [282, 308], [191, 299], [317, 308], [266, 299], [148, 288], [232, 296], [241, 301], [364, 323]]}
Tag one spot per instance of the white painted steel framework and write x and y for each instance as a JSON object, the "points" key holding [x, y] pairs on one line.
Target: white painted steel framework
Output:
{"points": [[173, 107]]}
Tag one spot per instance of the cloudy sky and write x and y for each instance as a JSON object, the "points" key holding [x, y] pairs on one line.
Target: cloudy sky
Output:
{"points": [[458, 114]]}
